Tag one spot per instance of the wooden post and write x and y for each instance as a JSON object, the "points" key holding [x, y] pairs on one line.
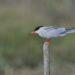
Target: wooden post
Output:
{"points": [[46, 59]]}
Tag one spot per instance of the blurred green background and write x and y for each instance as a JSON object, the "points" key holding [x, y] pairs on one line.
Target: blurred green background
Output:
{"points": [[20, 52]]}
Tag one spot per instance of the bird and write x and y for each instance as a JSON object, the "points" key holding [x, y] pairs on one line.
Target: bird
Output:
{"points": [[50, 32]]}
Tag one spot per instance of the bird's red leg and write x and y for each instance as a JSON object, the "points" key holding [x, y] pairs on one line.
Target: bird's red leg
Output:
{"points": [[47, 42]]}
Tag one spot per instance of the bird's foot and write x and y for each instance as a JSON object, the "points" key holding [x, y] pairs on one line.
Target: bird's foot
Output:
{"points": [[47, 42]]}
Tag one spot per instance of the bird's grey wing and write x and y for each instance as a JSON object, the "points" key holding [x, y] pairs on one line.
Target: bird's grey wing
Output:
{"points": [[50, 27], [52, 32]]}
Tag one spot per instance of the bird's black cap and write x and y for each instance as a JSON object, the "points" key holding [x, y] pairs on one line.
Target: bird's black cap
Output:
{"points": [[37, 28]]}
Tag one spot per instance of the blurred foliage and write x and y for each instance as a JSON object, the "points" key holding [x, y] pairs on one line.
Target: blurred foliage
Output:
{"points": [[18, 48]]}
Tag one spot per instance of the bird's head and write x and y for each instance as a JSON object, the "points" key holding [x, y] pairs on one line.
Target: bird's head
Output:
{"points": [[36, 29]]}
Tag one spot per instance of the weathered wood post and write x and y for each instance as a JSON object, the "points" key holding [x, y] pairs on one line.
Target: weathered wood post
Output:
{"points": [[46, 59]]}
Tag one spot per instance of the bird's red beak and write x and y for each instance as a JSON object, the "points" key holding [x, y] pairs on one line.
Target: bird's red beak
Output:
{"points": [[33, 32]]}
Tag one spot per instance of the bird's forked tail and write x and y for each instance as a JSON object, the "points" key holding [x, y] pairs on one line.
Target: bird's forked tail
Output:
{"points": [[70, 30]]}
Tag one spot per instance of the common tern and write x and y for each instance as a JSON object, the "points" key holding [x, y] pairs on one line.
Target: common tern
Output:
{"points": [[50, 32]]}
